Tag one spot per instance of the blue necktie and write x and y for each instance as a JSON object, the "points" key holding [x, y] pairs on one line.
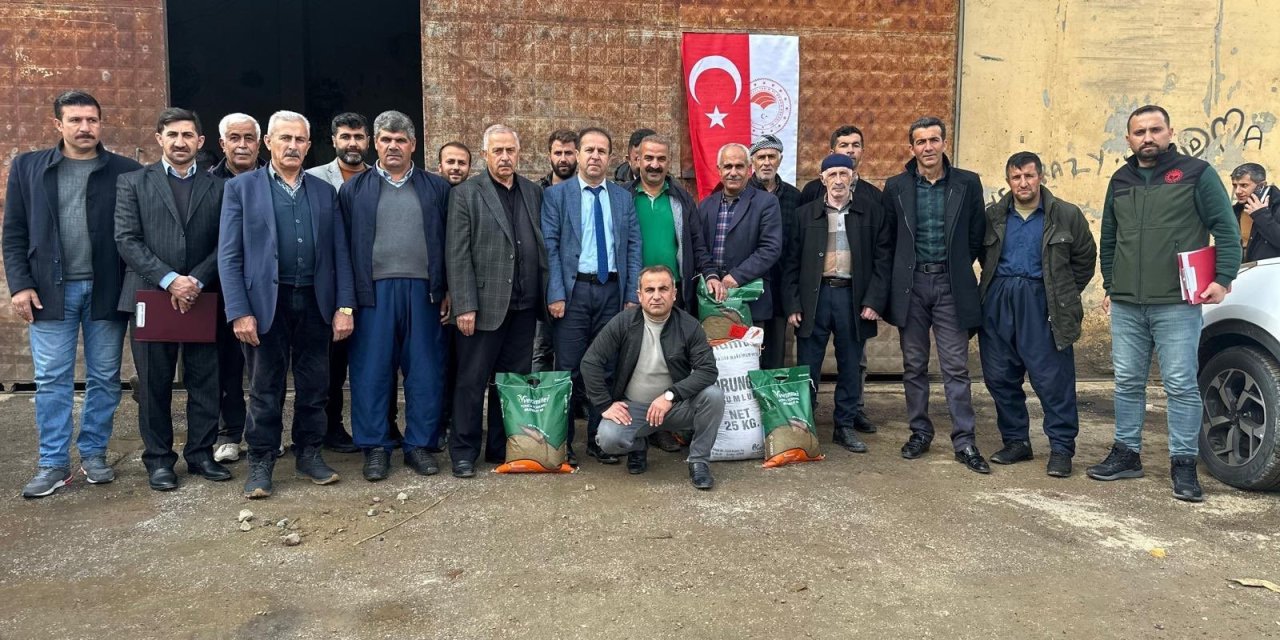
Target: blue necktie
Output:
{"points": [[602, 249]]}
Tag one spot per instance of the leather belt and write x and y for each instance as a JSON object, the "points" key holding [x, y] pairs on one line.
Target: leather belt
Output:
{"points": [[931, 267], [591, 277], [838, 283]]}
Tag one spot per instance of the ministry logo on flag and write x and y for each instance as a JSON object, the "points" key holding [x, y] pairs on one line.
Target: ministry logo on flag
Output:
{"points": [[770, 107]]}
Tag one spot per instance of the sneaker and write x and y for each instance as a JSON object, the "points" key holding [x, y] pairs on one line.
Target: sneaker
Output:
{"points": [[311, 465], [228, 452], [259, 483], [96, 470], [46, 481], [1186, 483], [1122, 462], [1059, 464]]}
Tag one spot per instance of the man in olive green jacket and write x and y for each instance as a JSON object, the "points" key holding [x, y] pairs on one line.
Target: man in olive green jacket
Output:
{"points": [[1037, 258]]}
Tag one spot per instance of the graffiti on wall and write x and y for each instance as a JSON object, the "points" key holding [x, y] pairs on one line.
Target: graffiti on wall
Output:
{"points": [[1225, 134]]}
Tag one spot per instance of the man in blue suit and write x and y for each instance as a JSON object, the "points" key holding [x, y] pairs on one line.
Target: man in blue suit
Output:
{"points": [[593, 253], [743, 227], [285, 269]]}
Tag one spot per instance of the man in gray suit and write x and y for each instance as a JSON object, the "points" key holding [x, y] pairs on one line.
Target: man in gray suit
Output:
{"points": [[593, 251], [167, 232], [496, 266]]}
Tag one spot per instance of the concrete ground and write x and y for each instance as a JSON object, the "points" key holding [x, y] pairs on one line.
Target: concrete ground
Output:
{"points": [[855, 546]]}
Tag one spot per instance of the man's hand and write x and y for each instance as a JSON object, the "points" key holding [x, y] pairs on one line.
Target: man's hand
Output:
{"points": [[1213, 294], [343, 325], [23, 301], [870, 314], [716, 288], [178, 304], [658, 410], [618, 413], [729, 282], [556, 309], [184, 288], [467, 323], [795, 319], [444, 309], [1106, 305], [246, 330], [1254, 204]]}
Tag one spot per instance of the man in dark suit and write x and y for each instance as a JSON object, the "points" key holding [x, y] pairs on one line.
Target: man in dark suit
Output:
{"points": [[836, 283], [285, 269], [766, 156], [593, 251], [742, 225], [496, 265], [167, 231], [395, 217], [64, 275], [940, 220]]}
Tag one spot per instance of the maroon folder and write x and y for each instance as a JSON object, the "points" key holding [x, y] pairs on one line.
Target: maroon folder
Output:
{"points": [[155, 319]]}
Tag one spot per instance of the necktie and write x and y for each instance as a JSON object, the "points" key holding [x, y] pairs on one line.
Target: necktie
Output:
{"points": [[602, 249]]}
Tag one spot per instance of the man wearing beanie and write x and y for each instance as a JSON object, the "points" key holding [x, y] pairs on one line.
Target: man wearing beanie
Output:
{"points": [[766, 157], [836, 283]]}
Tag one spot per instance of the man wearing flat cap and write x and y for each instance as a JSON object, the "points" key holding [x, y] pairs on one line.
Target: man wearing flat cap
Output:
{"points": [[766, 157]]}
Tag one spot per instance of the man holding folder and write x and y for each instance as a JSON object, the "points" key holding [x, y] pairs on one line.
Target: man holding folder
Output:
{"points": [[167, 232]]}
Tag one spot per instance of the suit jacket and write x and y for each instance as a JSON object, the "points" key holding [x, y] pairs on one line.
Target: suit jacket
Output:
{"points": [[965, 224], [694, 251], [359, 202], [788, 202], [562, 229], [330, 173], [247, 263], [753, 244], [32, 246], [870, 235], [481, 248], [155, 238]]}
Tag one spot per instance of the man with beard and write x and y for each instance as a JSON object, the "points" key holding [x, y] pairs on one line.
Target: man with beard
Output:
{"points": [[563, 154], [630, 168], [239, 136], [65, 281], [766, 156], [167, 232], [1039, 256], [455, 162], [496, 265], [350, 133], [593, 251]]}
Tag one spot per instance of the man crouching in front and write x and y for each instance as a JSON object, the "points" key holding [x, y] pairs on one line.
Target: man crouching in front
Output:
{"points": [[664, 378]]}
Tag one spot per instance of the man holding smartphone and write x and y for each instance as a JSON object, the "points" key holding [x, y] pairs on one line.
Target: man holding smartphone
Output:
{"points": [[1256, 211]]}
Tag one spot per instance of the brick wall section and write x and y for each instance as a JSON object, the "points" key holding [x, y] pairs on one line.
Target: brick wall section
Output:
{"points": [[538, 65], [115, 49]]}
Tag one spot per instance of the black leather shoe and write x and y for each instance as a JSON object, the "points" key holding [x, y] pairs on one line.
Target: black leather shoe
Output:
{"points": [[1015, 451], [970, 457], [664, 440], [637, 462], [570, 456], [162, 479], [1059, 464], [863, 424], [209, 470], [596, 452], [848, 438], [464, 469], [700, 475], [338, 440], [377, 464], [421, 461], [915, 447]]}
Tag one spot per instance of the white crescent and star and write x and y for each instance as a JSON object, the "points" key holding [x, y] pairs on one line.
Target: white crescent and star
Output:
{"points": [[724, 64]]}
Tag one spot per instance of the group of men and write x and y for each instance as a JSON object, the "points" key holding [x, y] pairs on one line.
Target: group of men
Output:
{"points": [[387, 270]]}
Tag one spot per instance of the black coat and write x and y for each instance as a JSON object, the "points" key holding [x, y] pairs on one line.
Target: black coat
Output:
{"points": [[870, 232], [695, 251], [690, 362], [32, 247], [965, 227], [1264, 237], [788, 202]]}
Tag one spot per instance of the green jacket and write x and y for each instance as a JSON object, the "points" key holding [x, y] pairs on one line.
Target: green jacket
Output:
{"points": [[1067, 254], [1151, 215]]}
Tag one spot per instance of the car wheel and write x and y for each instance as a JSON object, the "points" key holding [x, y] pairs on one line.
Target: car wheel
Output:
{"points": [[1241, 391]]}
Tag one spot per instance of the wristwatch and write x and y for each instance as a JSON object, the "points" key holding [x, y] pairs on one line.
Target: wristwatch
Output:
{"points": [[346, 311], [670, 396]]}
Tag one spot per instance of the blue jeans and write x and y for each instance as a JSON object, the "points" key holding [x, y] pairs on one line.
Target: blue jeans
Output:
{"points": [[1173, 332], [53, 353]]}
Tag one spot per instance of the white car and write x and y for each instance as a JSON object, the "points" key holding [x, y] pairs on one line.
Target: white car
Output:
{"points": [[1240, 380]]}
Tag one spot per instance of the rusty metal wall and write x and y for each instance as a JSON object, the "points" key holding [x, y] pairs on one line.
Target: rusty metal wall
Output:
{"points": [[541, 65], [115, 49]]}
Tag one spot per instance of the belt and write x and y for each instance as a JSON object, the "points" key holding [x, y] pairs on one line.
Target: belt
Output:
{"points": [[838, 283], [591, 277], [931, 267]]}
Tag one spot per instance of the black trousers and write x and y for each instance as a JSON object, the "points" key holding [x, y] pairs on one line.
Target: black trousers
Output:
{"points": [[156, 363], [232, 410], [775, 341], [299, 338], [507, 349]]}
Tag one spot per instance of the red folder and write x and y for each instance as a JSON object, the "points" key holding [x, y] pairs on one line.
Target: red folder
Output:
{"points": [[1196, 271], [155, 319]]}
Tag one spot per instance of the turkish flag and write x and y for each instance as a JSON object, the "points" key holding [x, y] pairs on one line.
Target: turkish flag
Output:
{"points": [[717, 74]]}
